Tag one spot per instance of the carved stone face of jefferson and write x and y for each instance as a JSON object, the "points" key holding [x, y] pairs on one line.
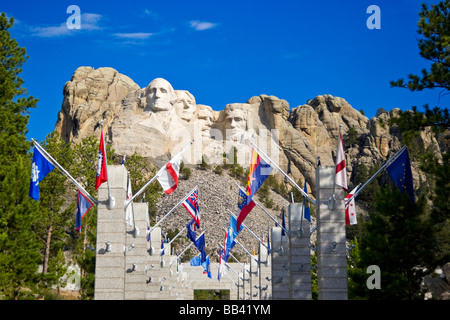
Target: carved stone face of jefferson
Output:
{"points": [[185, 105], [160, 95]]}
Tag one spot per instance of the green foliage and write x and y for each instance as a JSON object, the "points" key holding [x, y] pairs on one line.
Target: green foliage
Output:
{"points": [[19, 246], [398, 239], [185, 171], [351, 137], [218, 170], [211, 294], [434, 26]]}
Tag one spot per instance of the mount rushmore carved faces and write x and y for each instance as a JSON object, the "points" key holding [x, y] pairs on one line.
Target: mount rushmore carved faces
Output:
{"points": [[160, 95]]}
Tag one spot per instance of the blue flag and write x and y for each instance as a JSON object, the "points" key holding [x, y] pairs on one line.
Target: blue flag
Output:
{"points": [[83, 206], [195, 261], [39, 169], [206, 267], [401, 175], [190, 232], [283, 223], [307, 213], [200, 244]]}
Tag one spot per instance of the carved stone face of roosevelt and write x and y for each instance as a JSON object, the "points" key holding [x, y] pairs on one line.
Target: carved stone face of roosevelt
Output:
{"points": [[160, 95]]}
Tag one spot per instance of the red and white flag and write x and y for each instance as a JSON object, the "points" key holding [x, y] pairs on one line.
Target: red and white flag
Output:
{"points": [[129, 212], [350, 209], [168, 175], [102, 176], [341, 171]]}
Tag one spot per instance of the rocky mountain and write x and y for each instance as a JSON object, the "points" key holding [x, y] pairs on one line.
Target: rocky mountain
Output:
{"points": [[157, 121]]}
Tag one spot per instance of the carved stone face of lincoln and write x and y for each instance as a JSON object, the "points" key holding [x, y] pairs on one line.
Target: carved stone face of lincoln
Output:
{"points": [[160, 95]]}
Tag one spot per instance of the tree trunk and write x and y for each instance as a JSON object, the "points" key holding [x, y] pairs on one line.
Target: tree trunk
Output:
{"points": [[47, 248]]}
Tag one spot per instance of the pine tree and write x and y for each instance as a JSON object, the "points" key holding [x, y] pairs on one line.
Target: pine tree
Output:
{"points": [[19, 248], [398, 238], [434, 26]]}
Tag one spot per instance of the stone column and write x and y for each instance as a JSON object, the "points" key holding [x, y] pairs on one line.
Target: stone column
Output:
{"points": [[136, 254], [280, 265], [110, 260], [265, 273], [331, 259], [156, 289], [299, 254]]}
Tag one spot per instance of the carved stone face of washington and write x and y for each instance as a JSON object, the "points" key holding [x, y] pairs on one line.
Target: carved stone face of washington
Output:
{"points": [[160, 95]]}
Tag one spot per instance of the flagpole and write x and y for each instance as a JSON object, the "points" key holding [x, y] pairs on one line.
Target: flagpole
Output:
{"points": [[392, 159], [279, 169], [175, 237], [264, 210], [50, 158], [247, 251], [252, 233], [229, 267], [171, 210], [127, 202], [111, 200]]}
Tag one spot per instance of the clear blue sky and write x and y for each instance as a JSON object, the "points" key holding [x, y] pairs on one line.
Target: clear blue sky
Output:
{"points": [[226, 51]]}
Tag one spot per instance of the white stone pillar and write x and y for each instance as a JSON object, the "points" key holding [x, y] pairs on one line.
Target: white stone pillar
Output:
{"points": [[331, 259], [299, 254], [110, 259]]}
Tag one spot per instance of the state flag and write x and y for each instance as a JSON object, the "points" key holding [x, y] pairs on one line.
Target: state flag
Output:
{"points": [[258, 173], [40, 167], [168, 175], [200, 244], [83, 206], [245, 207], [191, 205], [350, 209], [307, 212], [400, 172], [341, 171], [102, 175], [190, 232]]}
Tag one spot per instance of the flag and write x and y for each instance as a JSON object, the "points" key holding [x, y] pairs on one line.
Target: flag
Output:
{"points": [[307, 212], [258, 173], [168, 175], [268, 242], [39, 169], [200, 244], [350, 209], [283, 223], [245, 206], [83, 206], [102, 175], [143, 198], [195, 261], [400, 172], [232, 233], [191, 205], [163, 240], [123, 159], [341, 171], [190, 233], [129, 212], [222, 260], [206, 267]]}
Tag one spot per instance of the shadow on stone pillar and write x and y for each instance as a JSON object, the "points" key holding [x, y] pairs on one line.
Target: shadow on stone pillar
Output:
{"points": [[331, 257]]}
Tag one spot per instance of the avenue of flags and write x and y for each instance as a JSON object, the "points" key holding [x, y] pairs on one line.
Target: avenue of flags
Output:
{"points": [[398, 168]]}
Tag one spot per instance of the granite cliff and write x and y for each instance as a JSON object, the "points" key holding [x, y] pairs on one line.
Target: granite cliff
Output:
{"points": [[157, 121]]}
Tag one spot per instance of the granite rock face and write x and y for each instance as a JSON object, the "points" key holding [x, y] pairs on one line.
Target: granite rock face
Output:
{"points": [[158, 121]]}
